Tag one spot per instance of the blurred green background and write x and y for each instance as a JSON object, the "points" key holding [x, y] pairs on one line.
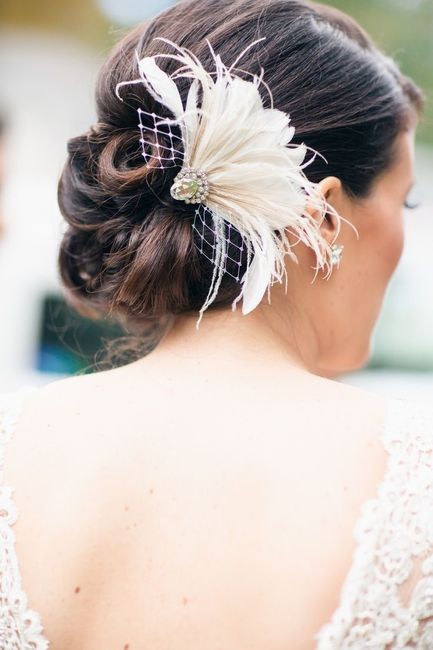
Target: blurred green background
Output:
{"points": [[404, 30]]}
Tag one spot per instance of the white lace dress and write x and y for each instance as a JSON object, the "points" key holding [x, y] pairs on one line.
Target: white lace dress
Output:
{"points": [[386, 601]]}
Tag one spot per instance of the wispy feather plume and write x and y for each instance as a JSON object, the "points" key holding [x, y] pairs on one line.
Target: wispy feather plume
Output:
{"points": [[256, 178]]}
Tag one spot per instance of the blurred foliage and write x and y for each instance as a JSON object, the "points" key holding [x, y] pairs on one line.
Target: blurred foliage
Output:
{"points": [[402, 28], [79, 18]]}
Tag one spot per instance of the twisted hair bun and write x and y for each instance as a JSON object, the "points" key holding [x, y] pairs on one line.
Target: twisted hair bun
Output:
{"points": [[124, 249], [128, 248]]}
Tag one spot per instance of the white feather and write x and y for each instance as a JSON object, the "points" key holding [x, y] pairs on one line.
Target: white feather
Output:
{"points": [[258, 278], [161, 86]]}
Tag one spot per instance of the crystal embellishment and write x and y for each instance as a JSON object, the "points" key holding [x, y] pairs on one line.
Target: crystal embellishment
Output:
{"points": [[337, 251], [190, 185]]}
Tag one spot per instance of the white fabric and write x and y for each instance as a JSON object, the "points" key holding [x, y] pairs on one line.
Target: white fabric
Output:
{"points": [[20, 627], [386, 602], [387, 598]]}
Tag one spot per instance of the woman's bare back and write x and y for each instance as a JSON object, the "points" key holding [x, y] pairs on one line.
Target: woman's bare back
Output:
{"points": [[163, 509]]}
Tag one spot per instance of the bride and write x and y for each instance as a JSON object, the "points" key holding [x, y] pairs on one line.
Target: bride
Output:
{"points": [[238, 206]]}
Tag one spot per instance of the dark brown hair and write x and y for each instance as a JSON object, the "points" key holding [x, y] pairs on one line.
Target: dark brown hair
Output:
{"points": [[129, 249]]}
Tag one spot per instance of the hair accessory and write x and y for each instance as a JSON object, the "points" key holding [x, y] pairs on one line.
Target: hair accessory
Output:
{"points": [[237, 163]]}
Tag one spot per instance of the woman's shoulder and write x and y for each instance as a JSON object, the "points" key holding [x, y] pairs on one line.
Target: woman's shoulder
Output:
{"points": [[68, 427], [86, 402], [60, 398], [85, 397]]}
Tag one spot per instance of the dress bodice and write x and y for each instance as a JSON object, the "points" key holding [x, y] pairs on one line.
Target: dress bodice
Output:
{"points": [[386, 601]]}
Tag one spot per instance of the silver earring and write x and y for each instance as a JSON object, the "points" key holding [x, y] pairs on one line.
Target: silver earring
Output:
{"points": [[337, 251]]}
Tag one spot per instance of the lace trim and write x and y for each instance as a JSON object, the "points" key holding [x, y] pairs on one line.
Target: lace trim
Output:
{"points": [[394, 538], [20, 627]]}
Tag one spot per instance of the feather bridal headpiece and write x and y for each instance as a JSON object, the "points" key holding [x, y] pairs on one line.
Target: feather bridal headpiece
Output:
{"points": [[237, 167]]}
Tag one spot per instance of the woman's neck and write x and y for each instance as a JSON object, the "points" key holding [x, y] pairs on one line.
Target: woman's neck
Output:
{"points": [[264, 336]]}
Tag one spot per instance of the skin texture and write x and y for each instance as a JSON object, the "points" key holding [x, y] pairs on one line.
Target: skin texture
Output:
{"points": [[348, 305], [205, 495], [325, 327]]}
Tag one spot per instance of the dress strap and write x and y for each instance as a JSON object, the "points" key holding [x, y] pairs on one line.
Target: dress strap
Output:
{"points": [[387, 598]]}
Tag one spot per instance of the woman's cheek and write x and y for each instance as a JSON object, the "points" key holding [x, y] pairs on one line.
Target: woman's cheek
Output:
{"points": [[398, 239], [392, 243]]}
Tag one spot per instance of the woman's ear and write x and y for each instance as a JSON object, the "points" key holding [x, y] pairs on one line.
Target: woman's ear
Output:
{"points": [[331, 190]]}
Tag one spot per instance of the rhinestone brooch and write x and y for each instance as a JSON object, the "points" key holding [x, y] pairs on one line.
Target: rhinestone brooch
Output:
{"points": [[190, 185]]}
